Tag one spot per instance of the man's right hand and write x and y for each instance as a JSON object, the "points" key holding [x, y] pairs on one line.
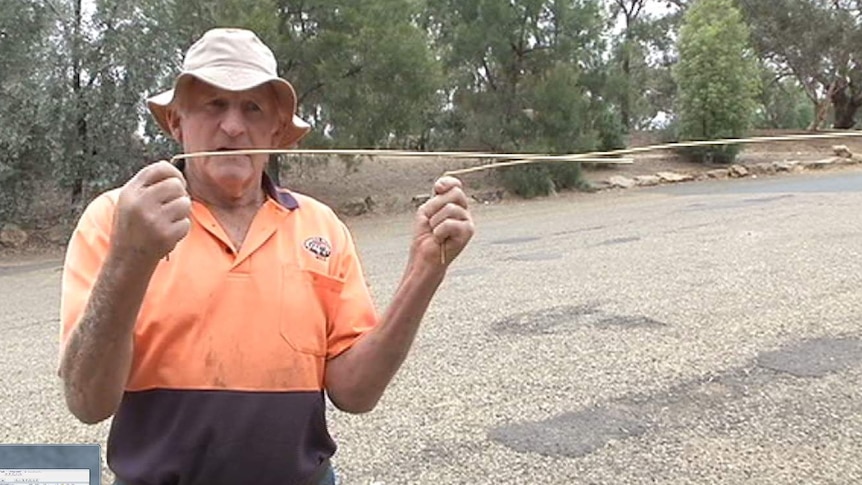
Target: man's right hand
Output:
{"points": [[152, 213]]}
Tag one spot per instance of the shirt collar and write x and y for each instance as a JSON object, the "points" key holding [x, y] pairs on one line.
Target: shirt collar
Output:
{"points": [[280, 195]]}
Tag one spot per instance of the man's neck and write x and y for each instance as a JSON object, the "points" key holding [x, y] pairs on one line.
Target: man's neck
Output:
{"points": [[234, 210]]}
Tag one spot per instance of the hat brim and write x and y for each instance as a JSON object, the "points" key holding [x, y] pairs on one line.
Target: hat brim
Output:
{"points": [[232, 79]]}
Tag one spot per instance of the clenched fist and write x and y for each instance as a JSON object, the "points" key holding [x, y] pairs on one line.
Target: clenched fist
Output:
{"points": [[444, 225], [152, 213]]}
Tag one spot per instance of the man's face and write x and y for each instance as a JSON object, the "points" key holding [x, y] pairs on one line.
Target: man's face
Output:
{"points": [[212, 119]]}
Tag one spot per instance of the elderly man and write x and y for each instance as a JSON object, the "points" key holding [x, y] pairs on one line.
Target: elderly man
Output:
{"points": [[208, 311]]}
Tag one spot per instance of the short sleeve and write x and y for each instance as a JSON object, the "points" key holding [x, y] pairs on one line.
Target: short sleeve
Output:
{"points": [[354, 313], [85, 254]]}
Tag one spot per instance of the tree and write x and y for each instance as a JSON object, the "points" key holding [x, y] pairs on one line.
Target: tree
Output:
{"points": [[25, 148], [717, 77], [816, 41], [360, 81], [499, 58], [101, 68], [783, 103], [526, 75], [643, 54], [630, 50]]}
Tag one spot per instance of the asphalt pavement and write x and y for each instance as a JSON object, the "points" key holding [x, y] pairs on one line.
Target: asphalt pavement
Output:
{"points": [[698, 333]]}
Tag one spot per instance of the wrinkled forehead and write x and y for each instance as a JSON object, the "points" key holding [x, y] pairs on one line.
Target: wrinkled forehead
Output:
{"points": [[193, 90]]}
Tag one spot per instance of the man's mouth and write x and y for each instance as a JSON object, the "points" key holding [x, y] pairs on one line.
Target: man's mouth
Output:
{"points": [[228, 150]]}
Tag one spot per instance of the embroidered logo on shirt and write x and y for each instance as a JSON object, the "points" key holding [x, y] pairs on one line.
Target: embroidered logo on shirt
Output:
{"points": [[319, 247]]}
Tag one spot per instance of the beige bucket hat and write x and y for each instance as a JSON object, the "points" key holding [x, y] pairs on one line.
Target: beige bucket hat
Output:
{"points": [[234, 60]]}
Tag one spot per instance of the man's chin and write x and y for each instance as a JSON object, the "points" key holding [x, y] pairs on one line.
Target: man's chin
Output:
{"points": [[230, 171]]}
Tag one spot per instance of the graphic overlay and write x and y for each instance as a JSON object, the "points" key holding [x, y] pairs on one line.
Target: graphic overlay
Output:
{"points": [[50, 465]]}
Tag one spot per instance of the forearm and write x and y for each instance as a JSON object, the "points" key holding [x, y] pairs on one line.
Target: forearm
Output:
{"points": [[358, 378], [98, 355]]}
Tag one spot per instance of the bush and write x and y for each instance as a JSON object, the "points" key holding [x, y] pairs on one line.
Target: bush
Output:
{"points": [[541, 179], [611, 130], [527, 181], [719, 154], [566, 175], [717, 79]]}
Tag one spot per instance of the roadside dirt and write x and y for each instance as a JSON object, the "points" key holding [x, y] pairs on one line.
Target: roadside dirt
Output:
{"points": [[381, 187], [392, 183]]}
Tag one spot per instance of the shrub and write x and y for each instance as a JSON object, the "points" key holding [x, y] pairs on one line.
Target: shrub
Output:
{"points": [[527, 181], [717, 77]]}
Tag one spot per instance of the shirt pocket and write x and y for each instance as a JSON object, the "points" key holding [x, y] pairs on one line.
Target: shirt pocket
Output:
{"points": [[309, 301]]}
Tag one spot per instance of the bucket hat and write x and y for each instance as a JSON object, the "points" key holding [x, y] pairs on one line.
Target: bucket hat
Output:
{"points": [[235, 60]]}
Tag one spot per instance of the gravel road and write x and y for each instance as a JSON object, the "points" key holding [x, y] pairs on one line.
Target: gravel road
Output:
{"points": [[700, 333]]}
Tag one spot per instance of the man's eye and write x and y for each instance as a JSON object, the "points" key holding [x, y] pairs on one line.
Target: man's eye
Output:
{"points": [[251, 106], [217, 103]]}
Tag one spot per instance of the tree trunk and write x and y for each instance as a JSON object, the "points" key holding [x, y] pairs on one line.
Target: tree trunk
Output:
{"points": [[80, 115], [631, 10], [820, 109], [845, 107], [845, 116], [625, 102]]}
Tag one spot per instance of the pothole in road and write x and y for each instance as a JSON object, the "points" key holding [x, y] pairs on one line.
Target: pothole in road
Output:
{"points": [[629, 321], [516, 240], [540, 256], [619, 240], [573, 435], [545, 320], [577, 231], [814, 358], [766, 200], [565, 318], [717, 404]]}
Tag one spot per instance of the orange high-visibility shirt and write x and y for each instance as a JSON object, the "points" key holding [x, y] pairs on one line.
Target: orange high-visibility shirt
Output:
{"points": [[227, 377]]}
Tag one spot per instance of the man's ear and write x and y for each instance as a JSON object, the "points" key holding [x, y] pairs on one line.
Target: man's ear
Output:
{"points": [[173, 119], [280, 132]]}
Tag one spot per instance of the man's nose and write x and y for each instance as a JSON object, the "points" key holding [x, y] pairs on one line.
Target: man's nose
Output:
{"points": [[233, 122]]}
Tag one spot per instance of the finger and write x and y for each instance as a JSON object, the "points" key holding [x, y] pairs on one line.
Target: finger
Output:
{"points": [[177, 209], [157, 172], [446, 183], [451, 229], [453, 196], [449, 211], [167, 190], [179, 229]]}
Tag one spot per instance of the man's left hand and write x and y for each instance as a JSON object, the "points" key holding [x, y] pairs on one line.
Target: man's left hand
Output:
{"points": [[443, 224]]}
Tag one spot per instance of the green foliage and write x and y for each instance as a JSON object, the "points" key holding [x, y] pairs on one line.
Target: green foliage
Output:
{"points": [[525, 76], [817, 42], [783, 103], [397, 87], [631, 70], [540, 179], [98, 71], [504, 58], [717, 78], [565, 119], [371, 83], [517, 76], [25, 151], [527, 181]]}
